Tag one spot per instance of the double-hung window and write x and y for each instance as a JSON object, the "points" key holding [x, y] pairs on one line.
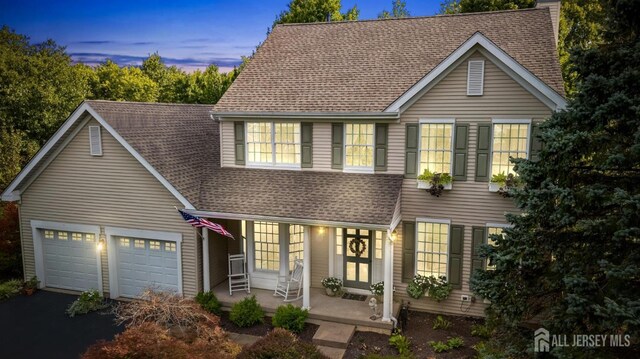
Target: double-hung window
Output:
{"points": [[436, 146], [432, 247], [296, 248], [510, 139], [359, 146], [267, 245], [273, 143]]}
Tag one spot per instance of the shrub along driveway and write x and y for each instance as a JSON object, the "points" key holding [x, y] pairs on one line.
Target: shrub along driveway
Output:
{"points": [[38, 327]]}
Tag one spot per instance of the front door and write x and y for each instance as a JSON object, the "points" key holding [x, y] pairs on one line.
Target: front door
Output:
{"points": [[357, 257]]}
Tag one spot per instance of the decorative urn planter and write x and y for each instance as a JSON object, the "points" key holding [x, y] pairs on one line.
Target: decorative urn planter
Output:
{"points": [[330, 292]]}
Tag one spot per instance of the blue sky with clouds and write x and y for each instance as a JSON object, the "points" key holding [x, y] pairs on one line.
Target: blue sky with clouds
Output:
{"points": [[188, 34]]}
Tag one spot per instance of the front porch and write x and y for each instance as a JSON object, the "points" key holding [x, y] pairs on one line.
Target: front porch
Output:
{"points": [[359, 256], [322, 307]]}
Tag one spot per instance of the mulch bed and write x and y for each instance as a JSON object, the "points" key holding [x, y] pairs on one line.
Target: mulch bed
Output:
{"points": [[420, 332], [262, 329]]}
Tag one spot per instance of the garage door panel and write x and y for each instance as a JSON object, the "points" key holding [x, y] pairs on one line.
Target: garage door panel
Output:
{"points": [[144, 263], [69, 264]]}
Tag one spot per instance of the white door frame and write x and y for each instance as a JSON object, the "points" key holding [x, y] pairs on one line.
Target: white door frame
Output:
{"points": [[112, 251], [38, 251]]}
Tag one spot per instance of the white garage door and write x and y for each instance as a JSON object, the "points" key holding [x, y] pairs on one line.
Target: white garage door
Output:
{"points": [[70, 260], [146, 263]]}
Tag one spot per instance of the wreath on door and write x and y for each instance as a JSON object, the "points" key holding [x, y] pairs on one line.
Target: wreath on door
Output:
{"points": [[357, 246]]}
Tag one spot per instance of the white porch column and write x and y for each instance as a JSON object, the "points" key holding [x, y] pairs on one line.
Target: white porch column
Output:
{"points": [[206, 281], [387, 308], [306, 270]]}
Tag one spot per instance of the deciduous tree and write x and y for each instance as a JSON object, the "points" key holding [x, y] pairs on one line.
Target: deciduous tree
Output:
{"points": [[315, 11], [398, 10]]}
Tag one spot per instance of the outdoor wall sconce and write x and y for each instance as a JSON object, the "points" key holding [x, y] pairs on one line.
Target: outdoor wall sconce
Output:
{"points": [[394, 235], [100, 244], [321, 230]]}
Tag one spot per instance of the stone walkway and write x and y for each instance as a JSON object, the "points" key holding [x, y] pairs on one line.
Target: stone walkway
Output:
{"points": [[331, 338]]}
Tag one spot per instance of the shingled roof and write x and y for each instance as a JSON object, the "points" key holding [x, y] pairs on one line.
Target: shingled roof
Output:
{"points": [[363, 66], [182, 143]]}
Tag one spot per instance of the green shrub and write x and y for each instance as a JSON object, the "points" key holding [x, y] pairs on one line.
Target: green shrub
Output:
{"points": [[401, 343], [452, 343], [481, 330], [10, 288], [209, 302], [439, 346], [247, 312], [439, 289], [88, 301], [441, 323], [281, 344], [455, 342], [290, 318]]}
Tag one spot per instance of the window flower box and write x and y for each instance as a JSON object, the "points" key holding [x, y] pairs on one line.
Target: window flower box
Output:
{"points": [[434, 183]]}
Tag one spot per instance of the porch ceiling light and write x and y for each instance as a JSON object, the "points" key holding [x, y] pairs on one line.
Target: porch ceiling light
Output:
{"points": [[321, 230]]}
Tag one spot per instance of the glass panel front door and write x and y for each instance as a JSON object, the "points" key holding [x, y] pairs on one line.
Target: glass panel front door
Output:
{"points": [[357, 257]]}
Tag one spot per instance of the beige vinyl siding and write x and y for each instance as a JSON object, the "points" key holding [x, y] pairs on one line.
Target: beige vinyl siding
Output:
{"points": [[112, 190], [469, 203], [322, 147], [319, 256], [227, 144]]}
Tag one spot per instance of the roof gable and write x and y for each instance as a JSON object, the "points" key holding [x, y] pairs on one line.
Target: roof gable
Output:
{"points": [[65, 133], [522, 75], [364, 66]]}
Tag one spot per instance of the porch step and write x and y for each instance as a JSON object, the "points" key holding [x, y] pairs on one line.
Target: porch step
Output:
{"points": [[334, 335]]}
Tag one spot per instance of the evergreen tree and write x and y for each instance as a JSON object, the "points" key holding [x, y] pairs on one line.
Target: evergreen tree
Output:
{"points": [[572, 259]]}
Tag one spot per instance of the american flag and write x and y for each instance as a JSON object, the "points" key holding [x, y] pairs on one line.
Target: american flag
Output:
{"points": [[201, 222]]}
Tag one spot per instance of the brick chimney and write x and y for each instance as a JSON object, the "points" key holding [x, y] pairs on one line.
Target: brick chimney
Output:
{"points": [[554, 9]]}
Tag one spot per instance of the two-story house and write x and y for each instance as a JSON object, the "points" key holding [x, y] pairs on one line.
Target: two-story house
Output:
{"points": [[313, 153]]}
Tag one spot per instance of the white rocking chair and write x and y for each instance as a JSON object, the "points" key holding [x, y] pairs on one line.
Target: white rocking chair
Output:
{"points": [[238, 276], [291, 283]]}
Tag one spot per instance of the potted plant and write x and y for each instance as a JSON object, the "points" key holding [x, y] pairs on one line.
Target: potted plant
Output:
{"points": [[502, 183], [31, 285], [332, 285], [434, 182], [377, 289]]}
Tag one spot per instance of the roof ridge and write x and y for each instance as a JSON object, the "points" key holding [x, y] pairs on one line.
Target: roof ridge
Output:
{"points": [[151, 103], [415, 17]]}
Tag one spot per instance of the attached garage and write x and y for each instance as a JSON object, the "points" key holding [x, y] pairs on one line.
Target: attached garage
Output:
{"points": [[70, 260], [144, 263], [140, 259]]}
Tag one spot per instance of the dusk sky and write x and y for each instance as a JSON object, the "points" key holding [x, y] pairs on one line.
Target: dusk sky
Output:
{"points": [[188, 34]]}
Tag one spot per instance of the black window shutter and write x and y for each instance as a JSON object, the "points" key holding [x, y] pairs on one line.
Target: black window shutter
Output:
{"points": [[382, 134], [479, 237], [456, 241], [536, 143], [306, 143], [460, 151], [408, 251], [483, 153], [238, 129], [411, 151], [337, 130]]}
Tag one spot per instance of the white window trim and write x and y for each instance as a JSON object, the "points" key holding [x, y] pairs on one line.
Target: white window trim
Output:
{"points": [[452, 122], [272, 164], [415, 254], [38, 246], [357, 169], [111, 233], [494, 121]]}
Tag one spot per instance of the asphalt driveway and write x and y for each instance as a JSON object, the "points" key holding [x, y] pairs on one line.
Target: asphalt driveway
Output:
{"points": [[37, 327]]}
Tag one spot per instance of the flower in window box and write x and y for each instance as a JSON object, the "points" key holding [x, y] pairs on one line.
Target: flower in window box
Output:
{"points": [[434, 182], [503, 183]]}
